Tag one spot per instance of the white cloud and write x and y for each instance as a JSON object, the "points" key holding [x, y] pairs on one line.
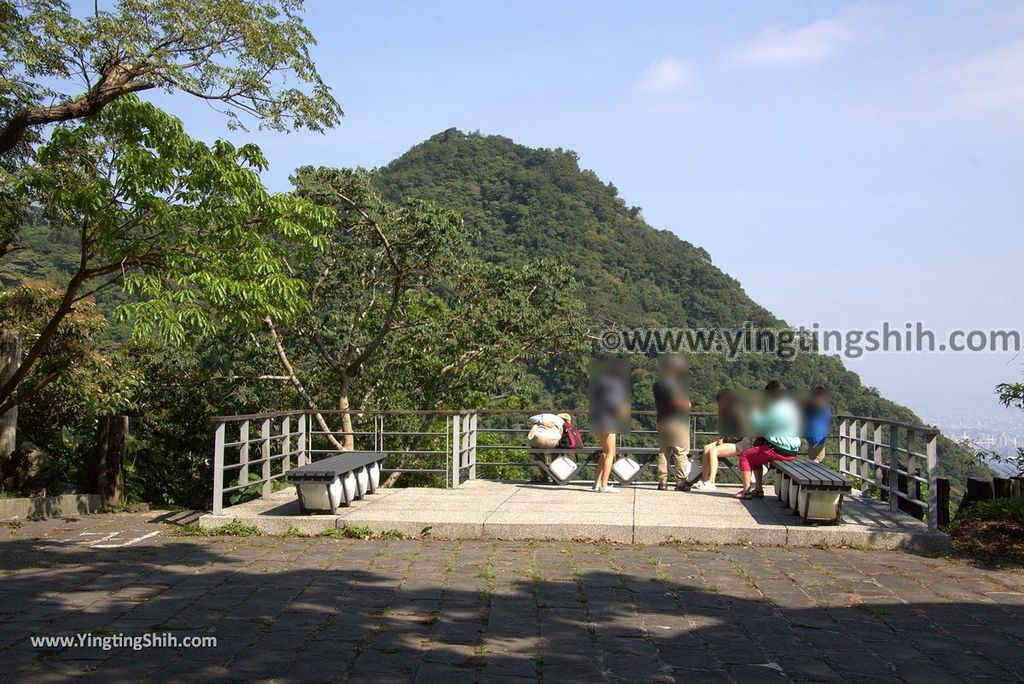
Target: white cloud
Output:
{"points": [[990, 80], [666, 76], [779, 45]]}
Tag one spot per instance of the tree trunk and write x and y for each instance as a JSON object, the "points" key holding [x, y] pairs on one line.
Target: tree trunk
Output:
{"points": [[10, 358], [110, 465], [349, 438]]}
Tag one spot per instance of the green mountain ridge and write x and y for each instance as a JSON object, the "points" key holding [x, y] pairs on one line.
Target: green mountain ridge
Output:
{"points": [[528, 202]]}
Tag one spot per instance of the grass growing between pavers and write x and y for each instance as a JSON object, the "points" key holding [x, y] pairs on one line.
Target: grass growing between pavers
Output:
{"points": [[231, 529]]}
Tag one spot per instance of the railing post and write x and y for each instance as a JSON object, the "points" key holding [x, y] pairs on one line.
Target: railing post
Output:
{"points": [[286, 443], [876, 457], [932, 457], [265, 451], [861, 470], [472, 446], [218, 468], [243, 453], [894, 467], [456, 449], [301, 444], [844, 445]]}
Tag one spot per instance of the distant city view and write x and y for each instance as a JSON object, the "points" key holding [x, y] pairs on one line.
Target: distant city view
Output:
{"points": [[999, 433]]}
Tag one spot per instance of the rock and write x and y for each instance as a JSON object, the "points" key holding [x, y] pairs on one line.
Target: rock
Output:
{"points": [[28, 470]]}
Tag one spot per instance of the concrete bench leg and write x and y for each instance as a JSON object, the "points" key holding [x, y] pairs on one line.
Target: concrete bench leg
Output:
{"points": [[793, 498], [348, 487], [374, 472], [781, 487], [362, 482], [820, 505]]}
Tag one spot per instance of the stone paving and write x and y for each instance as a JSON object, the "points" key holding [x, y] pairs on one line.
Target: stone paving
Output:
{"points": [[317, 609], [638, 513]]}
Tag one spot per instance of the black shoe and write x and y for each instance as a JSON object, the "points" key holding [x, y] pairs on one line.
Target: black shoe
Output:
{"points": [[683, 487], [662, 487]]}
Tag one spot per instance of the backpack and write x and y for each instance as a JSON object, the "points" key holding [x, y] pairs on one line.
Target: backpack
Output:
{"points": [[571, 437]]}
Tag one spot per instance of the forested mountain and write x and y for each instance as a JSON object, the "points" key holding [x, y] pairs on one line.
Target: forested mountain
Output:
{"points": [[519, 203], [525, 201]]}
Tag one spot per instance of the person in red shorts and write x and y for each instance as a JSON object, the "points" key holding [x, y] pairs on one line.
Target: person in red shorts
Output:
{"points": [[779, 427]]}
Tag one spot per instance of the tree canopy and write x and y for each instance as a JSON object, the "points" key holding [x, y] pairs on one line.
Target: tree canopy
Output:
{"points": [[169, 217]]}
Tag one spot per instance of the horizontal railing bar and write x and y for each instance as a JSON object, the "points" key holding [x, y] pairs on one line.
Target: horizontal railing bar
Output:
{"points": [[894, 423], [422, 412], [253, 483], [414, 470]]}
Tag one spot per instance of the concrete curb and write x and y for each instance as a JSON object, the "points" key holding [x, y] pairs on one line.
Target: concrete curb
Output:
{"points": [[63, 506]]}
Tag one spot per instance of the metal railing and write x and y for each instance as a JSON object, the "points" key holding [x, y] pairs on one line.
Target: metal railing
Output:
{"points": [[896, 461], [439, 447]]}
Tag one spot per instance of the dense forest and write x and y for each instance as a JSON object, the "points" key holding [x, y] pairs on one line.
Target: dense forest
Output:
{"points": [[515, 255]]}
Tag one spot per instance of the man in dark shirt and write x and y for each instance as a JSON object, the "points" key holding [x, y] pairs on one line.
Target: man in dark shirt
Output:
{"points": [[673, 411]]}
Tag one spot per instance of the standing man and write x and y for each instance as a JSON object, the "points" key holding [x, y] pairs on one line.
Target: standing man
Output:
{"points": [[673, 411]]}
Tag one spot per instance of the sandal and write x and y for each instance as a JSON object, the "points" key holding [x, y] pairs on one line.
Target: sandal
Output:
{"points": [[742, 494]]}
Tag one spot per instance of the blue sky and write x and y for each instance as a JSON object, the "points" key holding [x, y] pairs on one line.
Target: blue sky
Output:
{"points": [[849, 163]]}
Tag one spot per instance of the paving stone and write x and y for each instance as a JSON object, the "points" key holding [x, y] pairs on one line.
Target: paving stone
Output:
{"points": [[297, 610]]}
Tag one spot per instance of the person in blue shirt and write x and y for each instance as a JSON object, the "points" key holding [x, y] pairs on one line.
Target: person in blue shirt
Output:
{"points": [[817, 423]]}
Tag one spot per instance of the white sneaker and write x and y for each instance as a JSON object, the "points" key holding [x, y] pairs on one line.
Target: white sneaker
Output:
{"points": [[596, 488], [699, 484], [609, 488], [708, 486]]}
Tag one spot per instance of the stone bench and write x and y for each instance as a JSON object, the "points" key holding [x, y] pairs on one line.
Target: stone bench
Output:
{"points": [[814, 491], [337, 480]]}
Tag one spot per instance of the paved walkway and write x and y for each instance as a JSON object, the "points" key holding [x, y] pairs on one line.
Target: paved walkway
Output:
{"points": [[636, 514], [311, 609]]}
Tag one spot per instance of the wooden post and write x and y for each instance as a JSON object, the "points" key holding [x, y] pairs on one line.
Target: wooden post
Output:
{"points": [[218, 468], [941, 502], [1001, 487], [10, 360], [978, 489], [110, 461]]}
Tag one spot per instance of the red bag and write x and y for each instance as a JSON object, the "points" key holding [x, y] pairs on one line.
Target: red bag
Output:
{"points": [[571, 437]]}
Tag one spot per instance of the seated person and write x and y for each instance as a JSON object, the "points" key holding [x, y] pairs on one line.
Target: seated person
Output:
{"points": [[732, 441], [779, 429], [817, 423]]}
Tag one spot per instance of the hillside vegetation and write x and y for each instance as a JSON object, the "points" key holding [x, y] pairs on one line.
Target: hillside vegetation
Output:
{"points": [[521, 203], [528, 202]]}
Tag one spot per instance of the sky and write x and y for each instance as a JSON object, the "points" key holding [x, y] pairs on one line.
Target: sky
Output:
{"points": [[848, 163]]}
